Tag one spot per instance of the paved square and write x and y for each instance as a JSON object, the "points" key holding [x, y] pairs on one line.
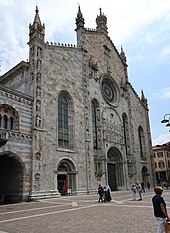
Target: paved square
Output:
{"points": [[82, 214]]}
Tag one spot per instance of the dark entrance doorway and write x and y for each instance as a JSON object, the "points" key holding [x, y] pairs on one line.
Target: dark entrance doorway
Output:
{"points": [[62, 181], [115, 169], [11, 179], [112, 176], [66, 178]]}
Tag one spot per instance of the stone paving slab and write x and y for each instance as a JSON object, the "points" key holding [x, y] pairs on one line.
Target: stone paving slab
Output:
{"points": [[121, 215]]}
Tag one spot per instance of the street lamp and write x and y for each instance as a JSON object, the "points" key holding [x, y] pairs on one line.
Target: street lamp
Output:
{"points": [[165, 120]]}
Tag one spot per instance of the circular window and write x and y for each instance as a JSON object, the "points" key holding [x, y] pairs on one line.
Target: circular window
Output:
{"points": [[109, 90]]}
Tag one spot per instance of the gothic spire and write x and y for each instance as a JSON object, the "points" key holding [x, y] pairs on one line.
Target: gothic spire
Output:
{"points": [[101, 22], [123, 56], [37, 30], [37, 17], [80, 20], [144, 100]]}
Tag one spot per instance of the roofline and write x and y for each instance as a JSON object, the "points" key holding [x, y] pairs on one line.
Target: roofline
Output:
{"points": [[14, 71]]}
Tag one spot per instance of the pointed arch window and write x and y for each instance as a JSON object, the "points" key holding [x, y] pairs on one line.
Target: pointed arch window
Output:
{"points": [[94, 124], [65, 121], [5, 122], [141, 142], [11, 123], [126, 133], [63, 132]]}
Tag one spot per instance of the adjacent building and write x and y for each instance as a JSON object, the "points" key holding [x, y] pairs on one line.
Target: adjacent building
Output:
{"points": [[162, 162], [70, 119]]}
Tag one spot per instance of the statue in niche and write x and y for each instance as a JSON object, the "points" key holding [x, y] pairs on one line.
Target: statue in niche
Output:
{"points": [[38, 105], [38, 91], [39, 52], [37, 185], [39, 64], [31, 76], [38, 79], [38, 120], [32, 51]]}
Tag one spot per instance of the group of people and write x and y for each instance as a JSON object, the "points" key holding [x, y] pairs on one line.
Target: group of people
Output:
{"points": [[138, 189], [104, 193]]}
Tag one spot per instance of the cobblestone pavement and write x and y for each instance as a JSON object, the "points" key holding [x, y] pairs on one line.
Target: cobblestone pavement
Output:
{"points": [[82, 214]]}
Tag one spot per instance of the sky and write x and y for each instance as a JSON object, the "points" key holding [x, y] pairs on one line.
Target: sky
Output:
{"points": [[141, 27]]}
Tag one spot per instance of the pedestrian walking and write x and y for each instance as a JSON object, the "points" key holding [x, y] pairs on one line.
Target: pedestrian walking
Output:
{"points": [[143, 187], [148, 185], [107, 196], [100, 192], [139, 190], [134, 190], [159, 207]]}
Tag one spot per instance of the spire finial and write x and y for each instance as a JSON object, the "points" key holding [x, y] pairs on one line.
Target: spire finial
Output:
{"points": [[36, 10]]}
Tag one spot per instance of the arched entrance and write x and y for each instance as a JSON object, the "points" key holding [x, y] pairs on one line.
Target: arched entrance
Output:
{"points": [[115, 169], [145, 174], [66, 178], [11, 178]]}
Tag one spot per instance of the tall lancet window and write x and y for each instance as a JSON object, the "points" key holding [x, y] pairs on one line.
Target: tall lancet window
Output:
{"points": [[94, 124], [63, 130], [142, 142]]}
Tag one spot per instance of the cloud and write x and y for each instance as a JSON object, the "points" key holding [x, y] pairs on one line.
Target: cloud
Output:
{"points": [[164, 53], [162, 94], [161, 139]]}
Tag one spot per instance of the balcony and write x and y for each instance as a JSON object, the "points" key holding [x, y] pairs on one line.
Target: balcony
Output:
{"points": [[3, 137]]}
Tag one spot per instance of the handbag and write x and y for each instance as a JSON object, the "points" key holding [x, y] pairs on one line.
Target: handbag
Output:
{"points": [[167, 226]]}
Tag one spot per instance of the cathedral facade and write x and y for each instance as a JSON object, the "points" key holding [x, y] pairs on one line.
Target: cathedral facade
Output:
{"points": [[70, 119]]}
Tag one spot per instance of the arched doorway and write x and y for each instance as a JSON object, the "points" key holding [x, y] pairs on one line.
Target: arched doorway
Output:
{"points": [[145, 174], [66, 178], [115, 169], [11, 178]]}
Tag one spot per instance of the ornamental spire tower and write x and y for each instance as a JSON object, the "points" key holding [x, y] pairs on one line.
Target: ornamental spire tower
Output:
{"points": [[80, 27], [37, 30], [101, 22]]}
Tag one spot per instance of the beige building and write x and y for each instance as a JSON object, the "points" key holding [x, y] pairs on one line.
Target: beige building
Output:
{"points": [[162, 162], [70, 119]]}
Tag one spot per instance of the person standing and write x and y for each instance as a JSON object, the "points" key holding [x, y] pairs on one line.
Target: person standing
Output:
{"points": [[100, 192], [159, 207]]}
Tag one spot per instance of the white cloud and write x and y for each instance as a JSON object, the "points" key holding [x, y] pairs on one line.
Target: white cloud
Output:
{"points": [[162, 94], [161, 139], [165, 52]]}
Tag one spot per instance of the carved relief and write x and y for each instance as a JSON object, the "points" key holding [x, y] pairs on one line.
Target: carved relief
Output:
{"points": [[38, 155], [112, 126], [38, 141]]}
